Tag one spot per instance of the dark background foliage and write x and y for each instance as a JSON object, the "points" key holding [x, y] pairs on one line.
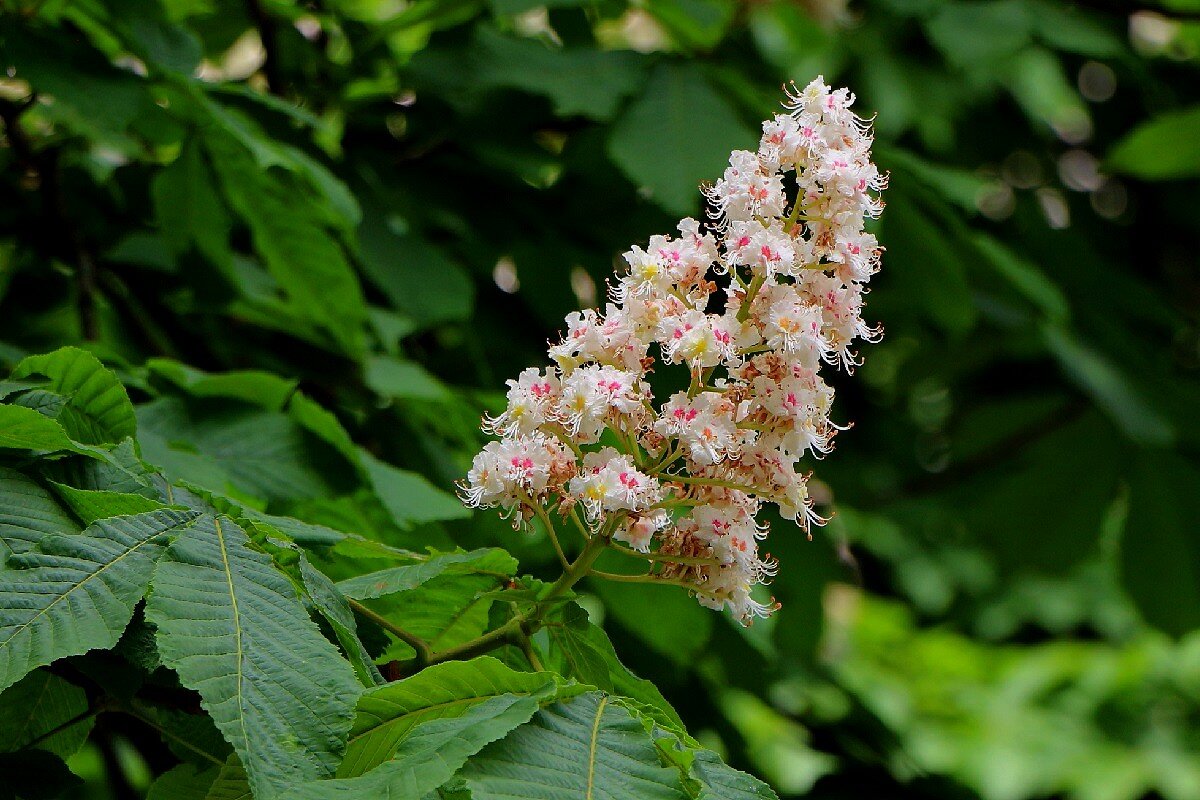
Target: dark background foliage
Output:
{"points": [[392, 204]]}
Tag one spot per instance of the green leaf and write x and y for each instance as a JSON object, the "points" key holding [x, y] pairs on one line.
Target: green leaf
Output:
{"points": [[192, 737], [1075, 30], [1104, 382], [558, 72], [388, 714], [582, 651], [431, 751], [654, 142], [445, 611], [117, 470], [189, 211], [102, 413], [23, 428], [221, 445], [409, 576], [183, 782], [1160, 558], [974, 34], [38, 704], [588, 746], [1161, 149], [251, 386], [28, 512], [77, 593], [190, 782], [408, 380], [91, 505], [694, 24], [289, 234], [398, 261], [410, 498], [79, 87], [1025, 277], [1045, 480], [929, 264], [333, 606], [722, 782], [235, 630]]}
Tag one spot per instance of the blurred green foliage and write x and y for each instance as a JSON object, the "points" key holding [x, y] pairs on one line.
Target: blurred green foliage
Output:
{"points": [[387, 206]]}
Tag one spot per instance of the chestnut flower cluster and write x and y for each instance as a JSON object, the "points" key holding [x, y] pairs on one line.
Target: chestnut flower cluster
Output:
{"points": [[680, 482]]}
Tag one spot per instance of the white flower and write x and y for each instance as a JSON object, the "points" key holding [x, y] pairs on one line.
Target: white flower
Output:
{"points": [[686, 480], [595, 395], [747, 190], [792, 325], [610, 482], [531, 400], [514, 470], [704, 425], [697, 339]]}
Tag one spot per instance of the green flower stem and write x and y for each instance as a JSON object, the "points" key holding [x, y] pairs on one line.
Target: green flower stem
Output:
{"points": [[755, 285], [550, 529], [524, 625], [424, 653]]}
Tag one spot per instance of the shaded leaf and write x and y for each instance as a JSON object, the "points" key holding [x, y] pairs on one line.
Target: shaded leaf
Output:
{"points": [[654, 141], [38, 704]]}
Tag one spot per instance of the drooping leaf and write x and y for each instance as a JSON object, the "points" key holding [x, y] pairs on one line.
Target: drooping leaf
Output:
{"points": [[391, 377], [694, 24], [192, 737], [228, 622], [76, 593], [183, 782], [191, 782], [333, 606], [296, 247], [587, 746], [251, 386], [117, 470], [227, 446], [722, 782], [431, 751], [411, 499], [39, 704], [189, 210], [531, 66]]}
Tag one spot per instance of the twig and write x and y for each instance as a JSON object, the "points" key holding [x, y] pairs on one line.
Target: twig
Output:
{"points": [[424, 655]]}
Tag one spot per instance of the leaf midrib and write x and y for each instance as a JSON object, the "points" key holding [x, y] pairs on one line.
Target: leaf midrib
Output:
{"points": [[237, 628]]}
